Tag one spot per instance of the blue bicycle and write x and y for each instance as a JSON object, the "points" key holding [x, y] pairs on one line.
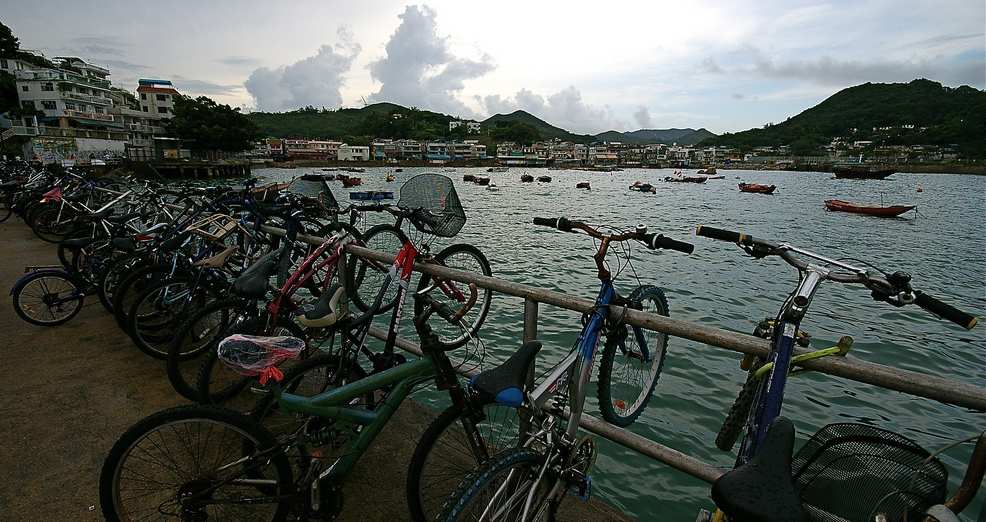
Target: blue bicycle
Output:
{"points": [[529, 481]]}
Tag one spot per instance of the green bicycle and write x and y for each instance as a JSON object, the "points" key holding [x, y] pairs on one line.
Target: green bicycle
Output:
{"points": [[209, 463]]}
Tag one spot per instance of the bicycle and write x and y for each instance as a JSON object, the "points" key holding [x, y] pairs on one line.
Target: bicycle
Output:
{"points": [[228, 463], [891, 477], [529, 481]]}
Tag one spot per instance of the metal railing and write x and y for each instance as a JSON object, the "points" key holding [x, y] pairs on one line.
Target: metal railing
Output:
{"points": [[906, 381]]}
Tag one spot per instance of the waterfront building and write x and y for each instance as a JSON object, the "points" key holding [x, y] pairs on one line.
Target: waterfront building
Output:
{"points": [[309, 149], [157, 97], [472, 127], [354, 153]]}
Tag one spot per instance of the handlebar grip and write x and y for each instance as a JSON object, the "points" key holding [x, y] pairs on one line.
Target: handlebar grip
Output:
{"points": [[945, 310], [655, 241], [721, 235], [546, 222]]}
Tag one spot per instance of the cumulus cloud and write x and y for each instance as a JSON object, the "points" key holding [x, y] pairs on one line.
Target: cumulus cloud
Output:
{"points": [[419, 69], [642, 115], [238, 61], [194, 87], [315, 80], [564, 109], [98, 45]]}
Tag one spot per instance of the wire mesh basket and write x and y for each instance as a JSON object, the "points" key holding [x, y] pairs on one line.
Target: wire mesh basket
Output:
{"points": [[434, 195], [314, 189], [849, 472]]}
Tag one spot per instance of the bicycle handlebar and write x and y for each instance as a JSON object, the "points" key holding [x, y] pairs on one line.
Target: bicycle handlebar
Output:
{"points": [[894, 289], [651, 241]]}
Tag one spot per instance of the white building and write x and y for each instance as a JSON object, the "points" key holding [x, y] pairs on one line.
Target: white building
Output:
{"points": [[472, 127], [354, 153], [157, 97]]}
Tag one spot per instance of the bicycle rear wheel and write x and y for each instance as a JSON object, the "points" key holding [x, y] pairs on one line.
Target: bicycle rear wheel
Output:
{"points": [[627, 377], [498, 491], [157, 312], [196, 463], [366, 278], [47, 298], [199, 334]]}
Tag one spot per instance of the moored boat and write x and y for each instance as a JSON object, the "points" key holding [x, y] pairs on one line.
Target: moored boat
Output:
{"points": [[351, 182], [643, 187], [482, 180], [526, 178], [468, 177], [390, 178], [498, 169], [860, 172], [492, 187], [839, 205], [686, 179], [583, 184], [757, 188], [545, 179]]}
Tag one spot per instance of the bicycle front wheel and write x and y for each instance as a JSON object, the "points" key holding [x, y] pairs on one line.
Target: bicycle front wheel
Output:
{"points": [[456, 294], [366, 278], [631, 362], [196, 463], [498, 491]]}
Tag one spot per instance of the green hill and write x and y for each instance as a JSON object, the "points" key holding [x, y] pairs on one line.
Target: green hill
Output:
{"points": [[940, 116], [381, 120], [642, 136], [544, 129]]}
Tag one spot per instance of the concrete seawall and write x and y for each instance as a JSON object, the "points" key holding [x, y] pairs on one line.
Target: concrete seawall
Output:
{"points": [[70, 391]]}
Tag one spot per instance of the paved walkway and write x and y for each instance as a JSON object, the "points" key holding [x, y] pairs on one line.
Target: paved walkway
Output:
{"points": [[70, 391]]}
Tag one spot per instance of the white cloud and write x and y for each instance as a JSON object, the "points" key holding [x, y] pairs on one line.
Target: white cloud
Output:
{"points": [[564, 109], [642, 116], [419, 68], [315, 80]]}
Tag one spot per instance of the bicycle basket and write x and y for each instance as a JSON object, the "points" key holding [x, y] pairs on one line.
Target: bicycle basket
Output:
{"points": [[252, 355], [434, 195], [852, 472]]}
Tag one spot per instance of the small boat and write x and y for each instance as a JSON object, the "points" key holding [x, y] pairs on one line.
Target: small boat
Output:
{"points": [[492, 187], [351, 182], [686, 179], [498, 169], [711, 171], [371, 195], [318, 177], [757, 188], [860, 172], [639, 186], [398, 170], [391, 177], [583, 184], [844, 206], [330, 169], [920, 188], [482, 180], [353, 169], [448, 169], [526, 178], [342, 177], [468, 177], [715, 177], [545, 179]]}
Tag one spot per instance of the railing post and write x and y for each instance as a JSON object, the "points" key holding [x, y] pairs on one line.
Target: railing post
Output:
{"points": [[530, 320]]}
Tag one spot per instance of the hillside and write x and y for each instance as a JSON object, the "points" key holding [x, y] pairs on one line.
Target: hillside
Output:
{"points": [[947, 116], [384, 120], [545, 129], [680, 136]]}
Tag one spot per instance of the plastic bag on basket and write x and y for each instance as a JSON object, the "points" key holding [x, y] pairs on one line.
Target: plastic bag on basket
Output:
{"points": [[254, 355]]}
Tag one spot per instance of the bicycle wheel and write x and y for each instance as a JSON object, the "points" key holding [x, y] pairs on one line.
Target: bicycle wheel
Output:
{"points": [[6, 205], [196, 463], [157, 312], [739, 412], [132, 286], [47, 298], [462, 257], [366, 278], [627, 378], [116, 273], [199, 334], [444, 455], [218, 383], [52, 224], [498, 491]]}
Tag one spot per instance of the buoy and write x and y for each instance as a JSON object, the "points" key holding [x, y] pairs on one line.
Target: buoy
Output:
{"points": [[920, 189]]}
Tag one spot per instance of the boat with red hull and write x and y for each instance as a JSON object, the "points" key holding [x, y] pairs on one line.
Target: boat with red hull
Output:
{"points": [[844, 206], [757, 188]]}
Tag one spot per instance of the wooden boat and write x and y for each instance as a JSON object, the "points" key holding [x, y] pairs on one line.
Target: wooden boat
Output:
{"points": [[398, 170], [757, 188], [318, 177], [686, 179], [351, 182], [390, 178], [583, 184], [482, 180], [643, 187], [844, 206], [352, 169], [468, 177], [711, 171], [545, 179], [492, 187], [860, 172], [498, 169], [526, 178]]}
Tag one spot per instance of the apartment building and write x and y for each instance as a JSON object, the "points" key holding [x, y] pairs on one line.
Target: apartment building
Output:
{"points": [[354, 153], [157, 97]]}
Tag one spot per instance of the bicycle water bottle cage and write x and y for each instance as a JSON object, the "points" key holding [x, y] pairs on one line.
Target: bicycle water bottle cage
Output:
{"points": [[762, 490], [506, 383], [324, 312]]}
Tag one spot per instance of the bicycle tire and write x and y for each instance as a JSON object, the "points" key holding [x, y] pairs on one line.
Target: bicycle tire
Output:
{"points": [[739, 411], [162, 334], [48, 227], [616, 345], [195, 337], [479, 310], [526, 460], [6, 206], [22, 285], [136, 282], [115, 273], [255, 436], [362, 281], [421, 491]]}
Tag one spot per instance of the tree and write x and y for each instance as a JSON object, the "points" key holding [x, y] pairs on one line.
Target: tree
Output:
{"points": [[9, 44], [203, 124]]}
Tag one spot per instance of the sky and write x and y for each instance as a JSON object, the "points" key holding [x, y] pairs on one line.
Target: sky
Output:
{"points": [[583, 66]]}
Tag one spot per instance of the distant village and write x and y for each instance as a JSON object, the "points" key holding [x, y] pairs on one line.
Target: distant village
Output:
{"points": [[79, 116]]}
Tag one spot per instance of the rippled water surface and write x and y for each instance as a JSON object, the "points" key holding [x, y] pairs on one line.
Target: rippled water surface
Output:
{"points": [[942, 246]]}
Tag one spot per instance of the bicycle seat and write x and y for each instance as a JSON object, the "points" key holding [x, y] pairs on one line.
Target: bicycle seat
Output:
{"points": [[505, 384], [79, 242], [762, 490], [124, 244], [324, 312], [252, 283]]}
